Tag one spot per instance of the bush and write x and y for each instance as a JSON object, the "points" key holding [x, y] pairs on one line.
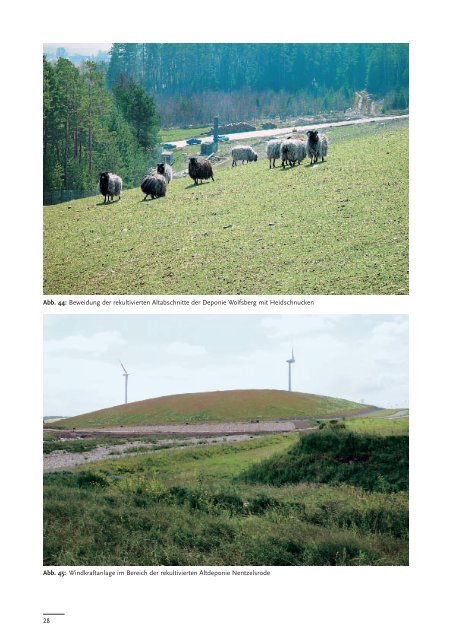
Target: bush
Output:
{"points": [[91, 479]]}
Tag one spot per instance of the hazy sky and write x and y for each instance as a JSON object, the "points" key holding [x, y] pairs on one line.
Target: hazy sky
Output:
{"points": [[85, 48], [357, 357]]}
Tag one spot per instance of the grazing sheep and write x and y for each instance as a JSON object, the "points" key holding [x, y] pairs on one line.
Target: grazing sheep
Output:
{"points": [[243, 153], [166, 171], [316, 146], [154, 185], [273, 151], [292, 151], [200, 169], [110, 185]]}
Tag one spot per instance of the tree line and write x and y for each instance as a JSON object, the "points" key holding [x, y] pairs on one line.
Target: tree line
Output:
{"points": [[266, 78], [88, 128]]}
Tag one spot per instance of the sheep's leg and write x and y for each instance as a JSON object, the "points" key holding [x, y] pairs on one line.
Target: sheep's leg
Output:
{"points": [[144, 198]]}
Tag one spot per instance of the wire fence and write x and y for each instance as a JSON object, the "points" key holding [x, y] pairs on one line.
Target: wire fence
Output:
{"points": [[55, 197]]}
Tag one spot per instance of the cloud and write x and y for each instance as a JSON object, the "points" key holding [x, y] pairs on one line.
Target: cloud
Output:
{"points": [[184, 349], [291, 326], [96, 344]]}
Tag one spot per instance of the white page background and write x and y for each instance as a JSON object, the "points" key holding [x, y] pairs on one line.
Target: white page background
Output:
{"points": [[312, 602]]}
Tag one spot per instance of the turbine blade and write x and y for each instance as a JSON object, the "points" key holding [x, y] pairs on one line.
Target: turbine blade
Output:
{"points": [[123, 367]]}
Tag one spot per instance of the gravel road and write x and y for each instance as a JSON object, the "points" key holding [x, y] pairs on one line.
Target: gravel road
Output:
{"points": [[268, 133], [59, 460]]}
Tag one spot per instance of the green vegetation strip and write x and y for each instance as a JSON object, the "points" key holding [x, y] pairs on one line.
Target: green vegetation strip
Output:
{"points": [[191, 507], [340, 227]]}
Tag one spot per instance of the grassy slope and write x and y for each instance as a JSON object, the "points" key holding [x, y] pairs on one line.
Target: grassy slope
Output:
{"points": [[340, 227], [215, 406], [376, 425], [371, 462], [189, 508]]}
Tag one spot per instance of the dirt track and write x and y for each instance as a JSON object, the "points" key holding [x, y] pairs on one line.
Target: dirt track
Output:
{"points": [[213, 429], [268, 133], [216, 434]]}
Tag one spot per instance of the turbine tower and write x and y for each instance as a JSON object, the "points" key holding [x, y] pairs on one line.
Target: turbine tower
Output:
{"points": [[126, 378], [290, 363]]}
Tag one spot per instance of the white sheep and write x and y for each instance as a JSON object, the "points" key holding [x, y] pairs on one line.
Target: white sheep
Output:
{"points": [[273, 151], [243, 153], [292, 151]]}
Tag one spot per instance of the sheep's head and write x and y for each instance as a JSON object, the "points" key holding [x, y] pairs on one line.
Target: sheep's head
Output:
{"points": [[255, 157], [161, 168], [313, 135], [103, 178]]}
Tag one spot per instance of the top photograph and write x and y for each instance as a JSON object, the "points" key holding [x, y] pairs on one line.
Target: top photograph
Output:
{"points": [[225, 169]]}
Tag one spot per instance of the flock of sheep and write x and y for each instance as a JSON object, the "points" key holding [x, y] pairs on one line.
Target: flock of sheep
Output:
{"points": [[293, 150], [155, 182]]}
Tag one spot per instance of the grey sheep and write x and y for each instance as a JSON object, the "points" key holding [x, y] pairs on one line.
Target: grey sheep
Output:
{"points": [[200, 169], [243, 153], [292, 151], [316, 146], [154, 185], [273, 151], [110, 185], [166, 171]]}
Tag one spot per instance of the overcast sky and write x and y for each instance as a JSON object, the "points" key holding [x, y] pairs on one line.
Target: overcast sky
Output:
{"points": [[357, 357]]}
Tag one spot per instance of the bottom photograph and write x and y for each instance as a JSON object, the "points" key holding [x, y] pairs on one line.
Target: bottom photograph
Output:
{"points": [[225, 440]]}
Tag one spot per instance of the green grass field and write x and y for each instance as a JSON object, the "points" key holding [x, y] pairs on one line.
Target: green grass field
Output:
{"points": [[337, 228], [215, 406], [171, 135], [196, 507]]}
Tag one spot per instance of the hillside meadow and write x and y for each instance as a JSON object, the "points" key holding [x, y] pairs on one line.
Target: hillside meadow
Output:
{"points": [[215, 406], [207, 505], [339, 227]]}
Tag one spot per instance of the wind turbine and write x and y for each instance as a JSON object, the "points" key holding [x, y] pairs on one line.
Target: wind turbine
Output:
{"points": [[126, 378], [290, 363]]}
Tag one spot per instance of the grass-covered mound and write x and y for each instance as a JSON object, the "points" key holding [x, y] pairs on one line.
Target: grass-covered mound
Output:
{"points": [[374, 463], [216, 406]]}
